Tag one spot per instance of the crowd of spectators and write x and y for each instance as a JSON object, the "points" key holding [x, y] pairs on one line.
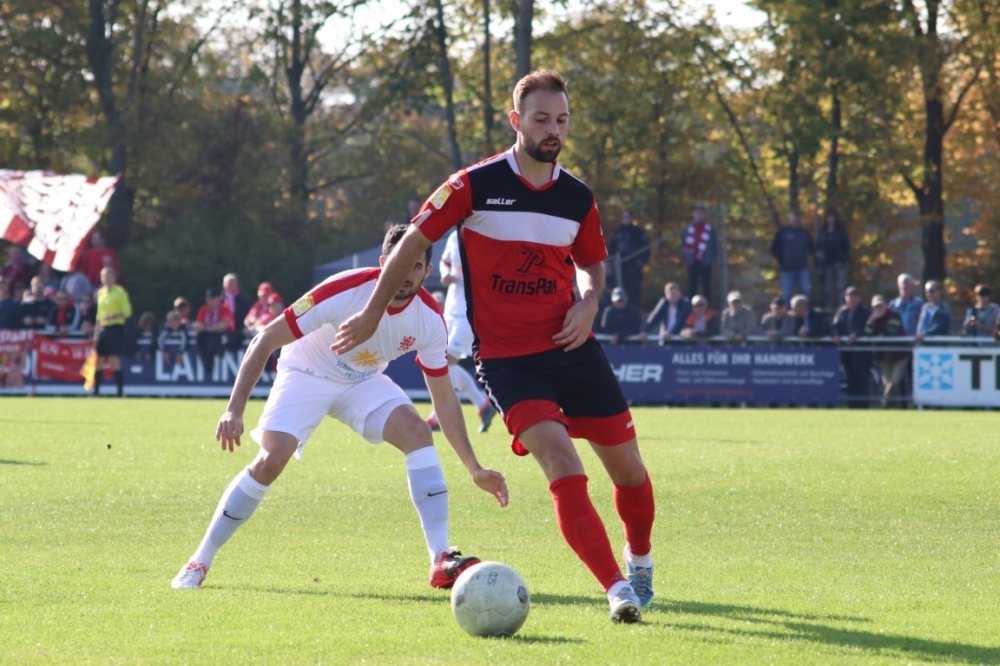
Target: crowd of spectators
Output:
{"points": [[33, 296]]}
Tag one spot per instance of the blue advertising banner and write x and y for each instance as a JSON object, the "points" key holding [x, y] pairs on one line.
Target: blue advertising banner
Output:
{"points": [[727, 375], [655, 375]]}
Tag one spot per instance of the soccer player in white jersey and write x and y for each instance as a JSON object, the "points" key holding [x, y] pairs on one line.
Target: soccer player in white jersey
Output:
{"points": [[529, 232], [313, 382], [460, 335]]}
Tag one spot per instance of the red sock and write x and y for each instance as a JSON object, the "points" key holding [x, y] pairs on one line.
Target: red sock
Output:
{"points": [[583, 530], [636, 508]]}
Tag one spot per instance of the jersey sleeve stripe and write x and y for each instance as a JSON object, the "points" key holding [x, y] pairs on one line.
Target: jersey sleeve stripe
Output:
{"points": [[292, 322], [433, 372]]}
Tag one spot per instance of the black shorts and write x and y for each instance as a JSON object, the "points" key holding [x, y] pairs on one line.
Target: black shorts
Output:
{"points": [[576, 388], [111, 341]]}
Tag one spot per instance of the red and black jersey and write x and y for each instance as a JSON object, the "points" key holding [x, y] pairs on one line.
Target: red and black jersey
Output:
{"points": [[518, 246]]}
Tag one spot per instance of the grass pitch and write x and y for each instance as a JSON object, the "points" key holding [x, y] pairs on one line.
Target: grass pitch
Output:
{"points": [[782, 537]]}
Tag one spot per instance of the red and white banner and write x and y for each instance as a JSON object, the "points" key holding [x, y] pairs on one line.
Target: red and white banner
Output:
{"points": [[50, 214], [61, 359], [14, 347]]}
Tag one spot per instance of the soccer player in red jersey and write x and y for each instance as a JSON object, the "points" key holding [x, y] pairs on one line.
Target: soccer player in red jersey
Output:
{"points": [[527, 228]]}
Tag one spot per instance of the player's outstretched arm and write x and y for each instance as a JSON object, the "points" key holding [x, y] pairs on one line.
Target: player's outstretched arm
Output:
{"points": [[449, 415], [395, 270], [579, 319], [276, 334]]}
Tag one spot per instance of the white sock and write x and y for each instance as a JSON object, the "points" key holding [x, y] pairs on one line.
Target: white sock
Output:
{"points": [[429, 494], [237, 505], [465, 385], [639, 560], [616, 588]]}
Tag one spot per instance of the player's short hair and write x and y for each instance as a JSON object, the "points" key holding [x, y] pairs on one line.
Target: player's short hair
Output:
{"points": [[545, 79], [394, 235]]}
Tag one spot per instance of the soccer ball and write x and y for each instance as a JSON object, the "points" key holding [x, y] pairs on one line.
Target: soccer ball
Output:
{"points": [[490, 599]]}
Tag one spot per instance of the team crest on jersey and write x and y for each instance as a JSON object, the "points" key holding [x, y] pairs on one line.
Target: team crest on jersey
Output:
{"points": [[407, 343], [366, 358], [303, 305], [441, 196]]}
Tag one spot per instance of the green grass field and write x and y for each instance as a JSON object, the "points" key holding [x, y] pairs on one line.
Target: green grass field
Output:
{"points": [[782, 537]]}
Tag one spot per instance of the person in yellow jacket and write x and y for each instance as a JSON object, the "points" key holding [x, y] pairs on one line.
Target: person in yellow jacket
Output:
{"points": [[113, 309]]}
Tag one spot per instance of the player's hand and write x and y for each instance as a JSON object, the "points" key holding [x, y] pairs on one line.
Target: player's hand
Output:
{"points": [[492, 482], [354, 331], [576, 325], [228, 432]]}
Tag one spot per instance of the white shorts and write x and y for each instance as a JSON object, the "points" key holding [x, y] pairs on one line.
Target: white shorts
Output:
{"points": [[298, 402], [459, 337]]}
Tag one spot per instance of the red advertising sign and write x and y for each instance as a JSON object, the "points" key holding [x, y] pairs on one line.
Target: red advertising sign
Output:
{"points": [[14, 347], [61, 359]]}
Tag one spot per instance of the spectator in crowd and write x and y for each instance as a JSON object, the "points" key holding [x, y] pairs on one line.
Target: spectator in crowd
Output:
{"points": [[628, 252], [88, 314], [981, 319], [183, 308], [145, 337], [792, 246], [833, 249], [777, 323], [64, 318], [19, 268], [700, 245], [238, 305], [48, 276], [809, 323], [907, 305], [214, 321], [848, 325], [702, 322], [668, 317], [97, 257], [892, 365], [620, 320], [738, 321], [257, 310], [935, 316], [10, 308], [275, 306], [36, 305], [76, 285], [173, 339], [113, 310]]}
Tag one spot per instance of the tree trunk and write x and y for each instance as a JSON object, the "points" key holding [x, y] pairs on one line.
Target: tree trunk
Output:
{"points": [[487, 84], [522, 36], [931, 200], [441, 35], [298, 167], [100, 56], [833, 159], [793, 179]]}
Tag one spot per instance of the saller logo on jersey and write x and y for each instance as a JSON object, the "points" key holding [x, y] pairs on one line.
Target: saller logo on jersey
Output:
{"points": [[303, 305], [500, 202]]}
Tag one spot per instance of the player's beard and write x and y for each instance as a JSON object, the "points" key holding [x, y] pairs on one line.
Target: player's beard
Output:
{"points": [[406, 293], [542, 153]]}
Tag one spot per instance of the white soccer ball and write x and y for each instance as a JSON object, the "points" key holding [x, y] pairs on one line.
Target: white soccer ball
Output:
{"points": [[490, 599]]}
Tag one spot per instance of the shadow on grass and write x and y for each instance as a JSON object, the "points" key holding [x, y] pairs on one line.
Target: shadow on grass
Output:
{"points": [[22, 462], [803, 627]]}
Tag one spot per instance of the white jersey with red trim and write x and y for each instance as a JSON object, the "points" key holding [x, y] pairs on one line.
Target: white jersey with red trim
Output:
{"points": [[454, 300], [315, 317], [518, 245]]}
